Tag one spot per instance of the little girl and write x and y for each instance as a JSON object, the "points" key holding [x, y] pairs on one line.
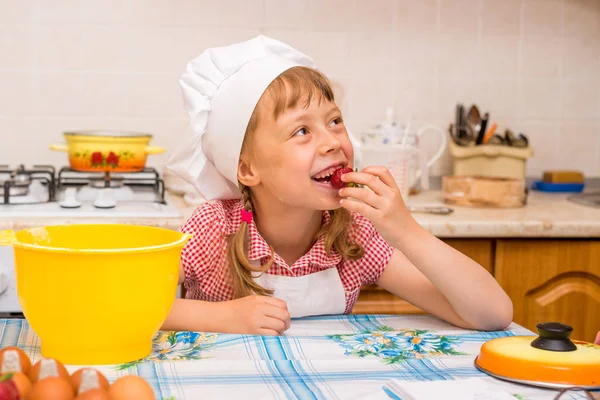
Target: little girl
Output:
{"points": [[276, 239]]}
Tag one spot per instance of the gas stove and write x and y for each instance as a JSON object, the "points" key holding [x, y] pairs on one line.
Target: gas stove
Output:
{"points": [[42, 191]]}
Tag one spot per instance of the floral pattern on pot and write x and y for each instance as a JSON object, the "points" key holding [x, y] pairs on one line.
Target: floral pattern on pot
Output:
{"points": [[395, 346], [176, 346], [98, 159]]}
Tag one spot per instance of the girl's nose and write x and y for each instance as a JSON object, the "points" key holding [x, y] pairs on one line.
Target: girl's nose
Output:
{"points": [[329, 142]]}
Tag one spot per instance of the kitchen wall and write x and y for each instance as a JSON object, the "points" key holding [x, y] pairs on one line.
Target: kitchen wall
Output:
{"points": [[533, 64]]}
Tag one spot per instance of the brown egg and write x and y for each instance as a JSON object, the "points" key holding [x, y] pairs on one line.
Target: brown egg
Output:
{"points": [[52, 388], [47, 367], [23, 384], [91, 379], [131, 387], [94, 394], [8, 360]]}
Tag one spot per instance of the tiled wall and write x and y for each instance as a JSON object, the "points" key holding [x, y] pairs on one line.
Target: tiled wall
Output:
{"points": [[85, 64]]}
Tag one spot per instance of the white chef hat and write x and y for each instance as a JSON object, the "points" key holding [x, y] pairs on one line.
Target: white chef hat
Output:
{"points": [[221, 88]]}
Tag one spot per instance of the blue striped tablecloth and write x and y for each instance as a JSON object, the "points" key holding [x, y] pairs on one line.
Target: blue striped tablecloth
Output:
{"points": [[332, 357]]}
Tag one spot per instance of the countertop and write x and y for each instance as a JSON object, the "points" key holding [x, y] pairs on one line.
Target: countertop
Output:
{"points": [[545, 216]]}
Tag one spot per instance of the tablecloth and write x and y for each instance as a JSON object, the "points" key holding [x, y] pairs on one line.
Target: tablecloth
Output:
{"points": [[326, 357]]}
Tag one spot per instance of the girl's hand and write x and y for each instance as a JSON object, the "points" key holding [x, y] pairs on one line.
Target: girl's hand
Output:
{"points": [[597, 341], [257, 315], [382, 204]]}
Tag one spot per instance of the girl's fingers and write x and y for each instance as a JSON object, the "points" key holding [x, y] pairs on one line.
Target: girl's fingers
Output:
{"points": [[364, 195], [359, 207], [369, 180], [383, 174], [268, 332]]}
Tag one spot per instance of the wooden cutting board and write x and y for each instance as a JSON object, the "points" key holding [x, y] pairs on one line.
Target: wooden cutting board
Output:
{"points": [[480, 191]]}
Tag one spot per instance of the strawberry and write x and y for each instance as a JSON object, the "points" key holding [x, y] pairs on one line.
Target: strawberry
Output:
{"points": [[8, 389], [336, 178]]}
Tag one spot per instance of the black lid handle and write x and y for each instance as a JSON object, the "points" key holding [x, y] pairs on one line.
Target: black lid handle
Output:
{"points": [[554, 336]]}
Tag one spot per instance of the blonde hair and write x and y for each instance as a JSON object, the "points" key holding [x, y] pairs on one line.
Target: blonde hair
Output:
{"points": [[288, 90]]}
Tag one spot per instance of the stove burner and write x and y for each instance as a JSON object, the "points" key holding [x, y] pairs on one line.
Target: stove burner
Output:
{"points": [[19, 179], [148, 177]]}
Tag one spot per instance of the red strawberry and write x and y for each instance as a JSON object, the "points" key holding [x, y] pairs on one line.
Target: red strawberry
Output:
{"points": [[8, 390], [336, 177]]}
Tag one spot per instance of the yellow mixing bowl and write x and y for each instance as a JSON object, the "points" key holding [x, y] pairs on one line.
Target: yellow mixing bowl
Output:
{"points": [[96, 294]]}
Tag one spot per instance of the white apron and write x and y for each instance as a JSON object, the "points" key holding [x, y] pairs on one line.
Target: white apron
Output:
{"points": [[320, 293]]}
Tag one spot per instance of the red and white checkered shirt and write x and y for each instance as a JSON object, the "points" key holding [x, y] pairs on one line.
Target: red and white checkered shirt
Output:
{"points": [[204, 256]]}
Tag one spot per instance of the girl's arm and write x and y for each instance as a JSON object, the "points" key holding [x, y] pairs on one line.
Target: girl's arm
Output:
{"points": [[446, 283], [424, 270], [252, 314]]}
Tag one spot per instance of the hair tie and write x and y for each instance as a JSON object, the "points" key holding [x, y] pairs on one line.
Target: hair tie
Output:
{"points": [[246, 216]]}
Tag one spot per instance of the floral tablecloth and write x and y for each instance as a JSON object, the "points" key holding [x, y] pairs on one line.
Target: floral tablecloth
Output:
{"points": [[330, 357]]}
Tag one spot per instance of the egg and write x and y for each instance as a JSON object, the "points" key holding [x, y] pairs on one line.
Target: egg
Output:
{"points": [[13, 359], [94, 394], [131, 387], [47, 367], [22, 383], [88, 378], [52, 388]]}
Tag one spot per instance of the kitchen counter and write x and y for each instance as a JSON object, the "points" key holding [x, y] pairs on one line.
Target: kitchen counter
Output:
{"points": [[545, 216]]}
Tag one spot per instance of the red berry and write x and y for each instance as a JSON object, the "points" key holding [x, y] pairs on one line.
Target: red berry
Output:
{"points": [[336, 177], [9, 391]]}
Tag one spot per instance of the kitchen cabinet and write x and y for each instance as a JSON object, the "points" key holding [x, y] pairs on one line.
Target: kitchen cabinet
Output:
{"points": [[375, 300], [552, 280], [546, 279]]}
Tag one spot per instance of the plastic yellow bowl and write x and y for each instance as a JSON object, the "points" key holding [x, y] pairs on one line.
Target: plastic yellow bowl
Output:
{"points": [[96, 294]]}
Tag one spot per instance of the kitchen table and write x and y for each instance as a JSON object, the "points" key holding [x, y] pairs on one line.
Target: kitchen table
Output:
{"points": [[327, 357]]}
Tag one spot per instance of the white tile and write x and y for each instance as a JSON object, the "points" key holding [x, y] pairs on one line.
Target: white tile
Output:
{"points": [[286, 14], [372, 54], [452, 91], [223, 13], [59, 47], [418, 57], [330, 50], [57, 10], [417, 17], [152, 95], [16, 93], [577, 147], [499, 98], [543, 138], [106, 11], [331, 15], [416, 99], [501, 17], [300, 40], [147, 42], [16, 47], [460, 56], [579, 100], [499, 57], [543, 17], [582, 18], [375, 15], [368, 99], [61, 94], [460, 17], [16, 12], [541, 57], [153, 13], [107, 48], [539, 99], [13, 151], [581, 58]]}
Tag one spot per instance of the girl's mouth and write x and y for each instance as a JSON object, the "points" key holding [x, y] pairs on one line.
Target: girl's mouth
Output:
{"points": [[324, 177]]}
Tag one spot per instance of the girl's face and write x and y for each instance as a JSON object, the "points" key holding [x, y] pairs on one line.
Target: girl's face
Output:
{"points": [[289, 154]]}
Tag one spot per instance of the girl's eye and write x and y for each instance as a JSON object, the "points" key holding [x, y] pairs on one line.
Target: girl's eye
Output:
{"points": [[301, 132], [336, 121]]}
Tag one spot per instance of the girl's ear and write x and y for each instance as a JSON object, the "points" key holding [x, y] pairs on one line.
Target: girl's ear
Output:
{"points": [[246, 174]]}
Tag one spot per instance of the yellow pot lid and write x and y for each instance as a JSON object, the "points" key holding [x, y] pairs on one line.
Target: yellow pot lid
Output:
{"points": [[550, 360]]}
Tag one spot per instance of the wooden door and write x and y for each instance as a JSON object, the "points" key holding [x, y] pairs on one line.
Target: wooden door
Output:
{"points": [[552, 280], [374, 300]]}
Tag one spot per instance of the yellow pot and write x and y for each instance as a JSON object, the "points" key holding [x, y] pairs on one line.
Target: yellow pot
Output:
{"points": [[96, 294], [107, 151]]}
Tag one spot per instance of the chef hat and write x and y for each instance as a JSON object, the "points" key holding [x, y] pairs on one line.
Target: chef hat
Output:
{"points": [[221, 88]]}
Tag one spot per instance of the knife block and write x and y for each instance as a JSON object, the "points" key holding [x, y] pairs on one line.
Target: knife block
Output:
{"points": [[490, 160]]}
